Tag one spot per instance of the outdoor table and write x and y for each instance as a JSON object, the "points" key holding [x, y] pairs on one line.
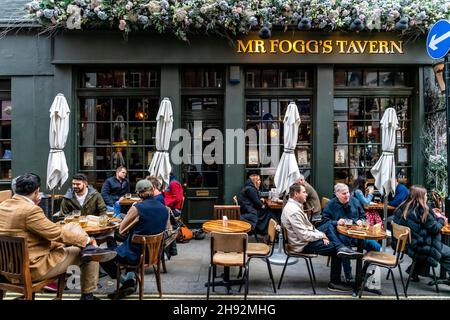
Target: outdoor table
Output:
{"points": [[378, 207], [274, 205], [95, 230], [129, 201], [361, 235], [233, 226]]}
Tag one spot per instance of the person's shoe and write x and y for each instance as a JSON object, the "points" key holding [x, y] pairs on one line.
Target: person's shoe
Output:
{"points": [[339, 287], [414, 277], [89, 296], [173, 252], [91, 253], [346, 252], [52, 287], [128, 287]]}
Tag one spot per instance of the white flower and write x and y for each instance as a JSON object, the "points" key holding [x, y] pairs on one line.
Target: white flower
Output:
{"points": [[122, 25]]}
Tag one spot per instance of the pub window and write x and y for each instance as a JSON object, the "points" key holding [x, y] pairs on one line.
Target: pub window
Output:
{"points": [[5, 133], [202, 78], [117, 127], [120, 78], [370, 77], [278, 78], [357, 136], [264, 118]]}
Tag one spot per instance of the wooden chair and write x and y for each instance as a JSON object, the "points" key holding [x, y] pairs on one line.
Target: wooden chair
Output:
{"points": [[389, 261], [150, 257], [15, 265], [305, 256], [228, 250], [169, 237], [437, 200], [264, 250], [231, 211], [5, 194], [324, 201]]}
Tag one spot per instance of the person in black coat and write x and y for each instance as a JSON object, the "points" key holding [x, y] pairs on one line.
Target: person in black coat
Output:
{"points": [[253, 209], [425, 224]]}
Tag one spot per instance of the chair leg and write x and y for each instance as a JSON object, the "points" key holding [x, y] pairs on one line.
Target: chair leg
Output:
{"points": [[2, 293], [158, 280], [403, 282], [117, 279], [435, 279], [247, 281], [393, 282], [310, 275], [312, 269], [208, 283], [328, 261], [270, 274], [141, 283], [163, 261], [366, 276], [61, 285], [282, 273]]}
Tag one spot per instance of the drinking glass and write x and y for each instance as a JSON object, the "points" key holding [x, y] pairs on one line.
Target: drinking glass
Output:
{"points": [[83, 221], [103, 220], [365, 224], [348, 223], [110, 214], [128, 195], [68, 219], [76, 215]]}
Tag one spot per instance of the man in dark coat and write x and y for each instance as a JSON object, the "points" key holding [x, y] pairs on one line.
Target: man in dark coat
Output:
{"points": [[114, 188], [253, 209]]}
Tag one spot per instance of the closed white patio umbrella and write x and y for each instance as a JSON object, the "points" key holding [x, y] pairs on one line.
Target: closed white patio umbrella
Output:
{"points": [[160, 166], [57, 170], [384, 170], [287, 170]]}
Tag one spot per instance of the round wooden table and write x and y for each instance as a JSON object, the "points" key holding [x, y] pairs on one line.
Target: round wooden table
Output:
{"points": [[234, 226], [129, 202], [361, 235], [95, 230]]}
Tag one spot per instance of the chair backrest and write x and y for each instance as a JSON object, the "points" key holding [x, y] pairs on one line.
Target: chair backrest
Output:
{"points": [[285, 239], [151, 246], [5, 194], [229, 242], [14, 261], [235, 200], [324, 202], [403, 236], [272, 231], [231, 211]]}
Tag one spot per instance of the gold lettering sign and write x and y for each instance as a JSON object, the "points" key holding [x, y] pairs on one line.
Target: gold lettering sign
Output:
{"points": [[202, 193], [275, 46]]}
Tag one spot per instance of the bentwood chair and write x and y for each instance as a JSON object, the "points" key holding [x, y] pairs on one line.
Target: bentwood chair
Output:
{"points": [[264, 250], [150, 257], [305, 256], [15, 266], [231, 211], [389, 261], [5, 195], [228, 250]]}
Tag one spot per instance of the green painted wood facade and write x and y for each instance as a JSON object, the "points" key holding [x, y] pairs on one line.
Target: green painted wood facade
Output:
{"points": [[41, 67]]}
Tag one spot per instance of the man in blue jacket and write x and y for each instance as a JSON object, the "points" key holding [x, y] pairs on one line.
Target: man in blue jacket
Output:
{"points": [[114, 188], [146, 217], [401, 194], [344, 206]]}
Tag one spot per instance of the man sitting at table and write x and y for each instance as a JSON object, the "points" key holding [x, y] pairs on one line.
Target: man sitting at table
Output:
{"points": [[146, 217], [253, 209], [82, 197], [22, 216], [305, 238], [342, 207], [114, 188], [312, 204]]}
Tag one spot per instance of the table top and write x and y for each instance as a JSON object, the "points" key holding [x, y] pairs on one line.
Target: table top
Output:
{"points": [[359, 233], [446, 229], [274, 205], [378, 206], [234, 226], [129, 202], [113, 223]]}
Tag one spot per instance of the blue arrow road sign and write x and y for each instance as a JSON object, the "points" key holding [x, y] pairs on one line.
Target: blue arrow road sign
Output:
{"points": [[438, 40]]}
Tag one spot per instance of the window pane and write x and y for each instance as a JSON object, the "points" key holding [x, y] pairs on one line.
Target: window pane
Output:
{"points": [[340, 109], [202, 78], [356, 109], [103, 109], [252, 108], [339, 78], [120, 78], [386, 78], [269, 78], [370, 78], [354, 78]]}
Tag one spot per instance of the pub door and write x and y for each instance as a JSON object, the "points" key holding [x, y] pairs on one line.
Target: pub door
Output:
{"points": [[203, 176]]}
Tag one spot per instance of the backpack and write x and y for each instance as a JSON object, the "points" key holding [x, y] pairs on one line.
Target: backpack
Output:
{"points": [[184, 234]]}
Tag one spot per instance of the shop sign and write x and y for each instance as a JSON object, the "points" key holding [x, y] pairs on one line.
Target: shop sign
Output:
{"points": [[276, 46]]}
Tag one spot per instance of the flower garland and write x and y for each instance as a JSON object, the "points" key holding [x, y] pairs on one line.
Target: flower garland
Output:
{"points": [[239, 17]]}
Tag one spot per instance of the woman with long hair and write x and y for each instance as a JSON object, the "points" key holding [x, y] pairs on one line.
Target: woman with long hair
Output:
{"points": [[360, 189], [425, 224]]}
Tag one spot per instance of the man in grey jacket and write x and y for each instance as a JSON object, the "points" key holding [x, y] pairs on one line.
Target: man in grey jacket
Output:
{"points": [[305, 238]]}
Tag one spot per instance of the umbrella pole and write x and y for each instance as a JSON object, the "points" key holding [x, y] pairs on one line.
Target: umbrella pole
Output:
{"points": [[385, 219], [52, 206]]}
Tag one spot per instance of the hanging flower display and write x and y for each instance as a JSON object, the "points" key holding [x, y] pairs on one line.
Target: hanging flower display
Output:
{"points": [[182, 18]]}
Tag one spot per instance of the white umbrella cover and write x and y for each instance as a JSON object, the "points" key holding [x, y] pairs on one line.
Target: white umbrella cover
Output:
{"points": [[57, 170], [160, 166], [384, 170], [287, 170]]}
